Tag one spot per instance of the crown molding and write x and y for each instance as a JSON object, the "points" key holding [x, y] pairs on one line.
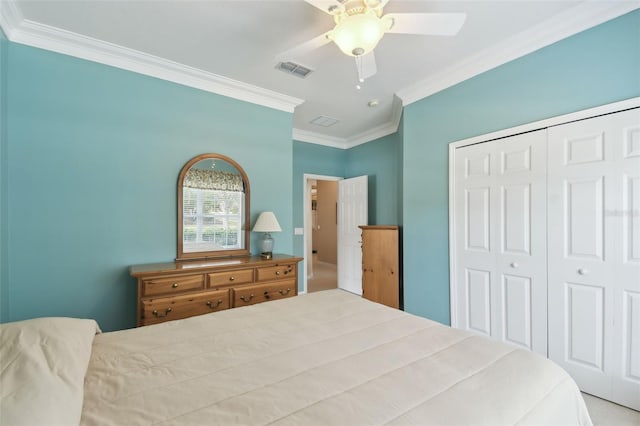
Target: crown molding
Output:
{"points": [[10, 17], [579, 18], [318, 138], [380, 131], [377, 132], [574, 20], [42, 36]]}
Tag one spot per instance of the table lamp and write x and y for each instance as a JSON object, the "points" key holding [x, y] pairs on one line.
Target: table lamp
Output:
{"points": [[266, 223]]}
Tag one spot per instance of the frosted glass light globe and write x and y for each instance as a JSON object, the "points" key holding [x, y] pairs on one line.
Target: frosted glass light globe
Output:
{"points": [[357, 35]]}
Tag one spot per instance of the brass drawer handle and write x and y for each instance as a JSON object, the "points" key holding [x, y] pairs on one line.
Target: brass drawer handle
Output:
{"points": [[277, 272], [244, 299], [174, 285], [211, 306], [266, 295], [283, 292], [159, 315], [232, 278]]}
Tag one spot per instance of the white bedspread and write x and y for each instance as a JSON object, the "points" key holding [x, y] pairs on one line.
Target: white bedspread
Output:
{"points": [[328, 358]]}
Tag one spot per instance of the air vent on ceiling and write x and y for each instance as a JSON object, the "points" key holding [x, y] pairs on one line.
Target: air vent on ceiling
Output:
{"points": [[324, 121], [294, 69]]}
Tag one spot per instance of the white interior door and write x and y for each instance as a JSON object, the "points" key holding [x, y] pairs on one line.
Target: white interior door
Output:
{"points": [[500, 215], [594, 254], [352, 212]]}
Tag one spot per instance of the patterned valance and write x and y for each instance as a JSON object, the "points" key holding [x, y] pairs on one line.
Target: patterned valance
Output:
{"points": [[211, 179]]}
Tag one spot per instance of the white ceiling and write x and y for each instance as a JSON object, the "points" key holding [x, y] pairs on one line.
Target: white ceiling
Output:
{"points": [[230, 47]]}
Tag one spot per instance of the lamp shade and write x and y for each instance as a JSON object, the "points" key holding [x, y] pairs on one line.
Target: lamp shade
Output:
{"points": [[267, 222]]}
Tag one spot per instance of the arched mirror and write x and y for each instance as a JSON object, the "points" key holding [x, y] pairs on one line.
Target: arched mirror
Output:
{"points": [[213, 208]]}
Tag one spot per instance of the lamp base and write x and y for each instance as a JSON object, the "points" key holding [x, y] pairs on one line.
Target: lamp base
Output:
{"points": [[266, 246]]}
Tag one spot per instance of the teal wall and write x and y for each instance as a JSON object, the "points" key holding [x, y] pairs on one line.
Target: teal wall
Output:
{"points": [[379, 160], [4, 280], [95, 154], [315, 160], [595, 67]]}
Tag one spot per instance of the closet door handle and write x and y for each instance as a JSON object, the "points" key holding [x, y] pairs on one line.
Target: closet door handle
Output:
{"points": [[514, 265], [583, 271]]}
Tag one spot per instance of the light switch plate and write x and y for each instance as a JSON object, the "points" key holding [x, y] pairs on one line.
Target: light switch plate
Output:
{"points": [[298, 231]]}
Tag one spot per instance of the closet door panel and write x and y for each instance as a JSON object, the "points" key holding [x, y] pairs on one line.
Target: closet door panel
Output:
{"points": [[516, 219], [584, 216], [593, 272], [520, 233], [500, 205], [477, 216], [517, 307], [475, 257], [626, 216], [585, 325], [478, 303]]}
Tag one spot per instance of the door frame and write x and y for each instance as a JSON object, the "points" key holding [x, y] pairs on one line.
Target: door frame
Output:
{"points": [[488, 137], [307, 221]]}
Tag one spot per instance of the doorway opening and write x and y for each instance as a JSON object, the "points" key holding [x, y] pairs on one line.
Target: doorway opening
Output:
{"points": [[320, 231]]}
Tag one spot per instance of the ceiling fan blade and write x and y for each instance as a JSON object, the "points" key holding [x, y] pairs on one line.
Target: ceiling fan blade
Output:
{"points": [[366, 66], [444, 24], [325, 5], [304, 48], [377, 3]]}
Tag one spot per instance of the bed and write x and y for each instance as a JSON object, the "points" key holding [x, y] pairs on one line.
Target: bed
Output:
{"points": [[327, 358]]}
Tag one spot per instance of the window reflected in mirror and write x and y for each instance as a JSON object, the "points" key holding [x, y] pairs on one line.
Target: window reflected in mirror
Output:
{"points": [[213, 193]]}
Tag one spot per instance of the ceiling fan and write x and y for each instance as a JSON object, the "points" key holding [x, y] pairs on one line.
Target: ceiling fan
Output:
{"points": [[360, 25]]}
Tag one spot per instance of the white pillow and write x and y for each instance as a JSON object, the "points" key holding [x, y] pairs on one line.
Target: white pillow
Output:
{"points": [[43, 362]]}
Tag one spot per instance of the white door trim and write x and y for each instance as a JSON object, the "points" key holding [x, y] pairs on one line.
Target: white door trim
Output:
{"points": [[306, 209], [537, 125]]}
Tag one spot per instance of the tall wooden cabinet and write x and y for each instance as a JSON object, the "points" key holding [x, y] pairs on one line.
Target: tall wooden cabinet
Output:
{"points": [[381, 273]]}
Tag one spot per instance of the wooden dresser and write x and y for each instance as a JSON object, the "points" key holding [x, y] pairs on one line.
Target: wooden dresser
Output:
{"points": [[381, 278], [174, 290]]}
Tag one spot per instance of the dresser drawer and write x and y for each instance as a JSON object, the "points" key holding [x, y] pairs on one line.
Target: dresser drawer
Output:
{"points": [[241, 276], [252, 294], [172, 285], [276, 272], [177, 307]]}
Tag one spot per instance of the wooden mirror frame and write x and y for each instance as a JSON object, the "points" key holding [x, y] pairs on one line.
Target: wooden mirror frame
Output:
{"points": [[246, 226]]}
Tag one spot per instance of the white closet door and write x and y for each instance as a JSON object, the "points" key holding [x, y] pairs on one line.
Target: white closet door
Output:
{"points": [[475, 252], [500, 214], [594, 254]]}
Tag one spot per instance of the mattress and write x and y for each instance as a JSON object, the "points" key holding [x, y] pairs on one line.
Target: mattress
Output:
{"points": [[327, 358]]}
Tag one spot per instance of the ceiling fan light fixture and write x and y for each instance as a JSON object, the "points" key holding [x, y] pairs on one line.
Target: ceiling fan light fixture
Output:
{"points": [[359, 34]]}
